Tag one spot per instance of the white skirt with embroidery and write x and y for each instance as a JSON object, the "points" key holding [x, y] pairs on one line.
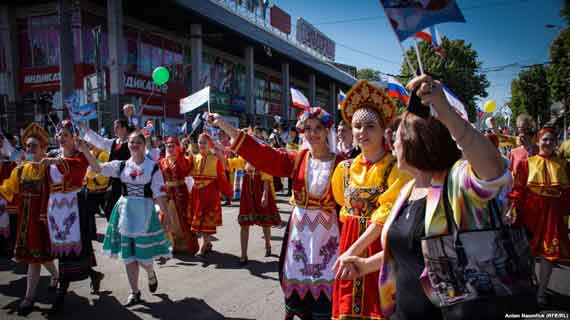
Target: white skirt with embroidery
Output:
{"points": [[312, 249]]}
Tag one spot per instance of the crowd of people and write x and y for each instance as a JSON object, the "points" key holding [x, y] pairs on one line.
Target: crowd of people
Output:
{"points": [[368, 193]]}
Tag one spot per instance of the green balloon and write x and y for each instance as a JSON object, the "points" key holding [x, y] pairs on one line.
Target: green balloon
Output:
{"points": [[160, 75]]}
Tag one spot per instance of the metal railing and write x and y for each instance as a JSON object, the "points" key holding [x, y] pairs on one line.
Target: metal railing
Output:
{"points": [[239, 10]]}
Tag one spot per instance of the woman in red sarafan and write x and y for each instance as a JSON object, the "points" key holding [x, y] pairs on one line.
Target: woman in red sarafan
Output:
{"points": [[28, 187], [365, 187], [541, 196], [210, 180], [310, 243], [175, 168], [257, 207], [68, 217]]}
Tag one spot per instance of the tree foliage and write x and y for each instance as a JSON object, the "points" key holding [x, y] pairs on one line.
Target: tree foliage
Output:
{"points": [[559, 73], [368, 74], [460, 71], [531, 94], [565, 11]]}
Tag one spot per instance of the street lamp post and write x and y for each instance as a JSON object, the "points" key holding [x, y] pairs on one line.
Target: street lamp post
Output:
{"points": [[97, 37]]}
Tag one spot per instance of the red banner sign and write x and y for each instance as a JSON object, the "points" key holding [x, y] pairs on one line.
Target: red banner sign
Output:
{"points": [[48, 78], [280, 19]]}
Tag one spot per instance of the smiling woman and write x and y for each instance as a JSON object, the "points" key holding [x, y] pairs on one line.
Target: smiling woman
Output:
{"points": [[310, 244], [365, 187], [542, 199]]}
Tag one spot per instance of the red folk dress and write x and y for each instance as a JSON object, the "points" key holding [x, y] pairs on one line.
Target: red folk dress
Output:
{"points": [[310, 243], [28, 187], [251, 209], [175, 170], [542, 199], [205, 213]]}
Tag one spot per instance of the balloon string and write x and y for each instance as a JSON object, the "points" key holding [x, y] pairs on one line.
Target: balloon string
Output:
{"points": [[147, 99]]}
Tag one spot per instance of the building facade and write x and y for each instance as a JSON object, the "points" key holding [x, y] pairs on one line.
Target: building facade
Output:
{"points": [[247, 64]]}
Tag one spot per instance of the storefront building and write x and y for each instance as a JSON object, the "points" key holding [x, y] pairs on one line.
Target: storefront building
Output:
{"points": [[249, 70]]}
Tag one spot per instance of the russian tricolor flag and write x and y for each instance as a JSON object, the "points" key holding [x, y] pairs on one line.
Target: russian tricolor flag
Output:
{"points": [[432, 36], [341, 97], [396, 90], [299, 100]]}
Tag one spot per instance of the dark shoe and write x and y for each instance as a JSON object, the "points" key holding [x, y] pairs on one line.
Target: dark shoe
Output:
{"points": [[243, 261], [207, 249], [60, 297], [134, 298], [25, 307], [268, 252], [227, 203], [96, 282], [152, 282]]}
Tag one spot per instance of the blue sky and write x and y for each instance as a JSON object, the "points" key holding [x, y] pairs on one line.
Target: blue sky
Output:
{"points": [[501, 31]]}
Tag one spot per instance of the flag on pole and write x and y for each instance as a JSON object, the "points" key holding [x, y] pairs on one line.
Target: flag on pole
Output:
{"points": [[182, 128], [395, 89], [299, 100], [432, 36], [194, 101], [409, 17], [455, 103], [83, 113], [480, 112], [341, 97]]}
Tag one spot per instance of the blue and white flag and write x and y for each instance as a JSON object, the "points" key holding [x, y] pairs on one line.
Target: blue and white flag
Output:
{"points": [[83, 113], [408, 17], [169, 128], [182, 128], [455, 103]]}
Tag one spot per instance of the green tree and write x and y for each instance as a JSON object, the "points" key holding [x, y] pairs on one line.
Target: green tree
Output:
{"points": [[565, 11], [531, 94], [460, 71], [368, 74], [559, 70]]}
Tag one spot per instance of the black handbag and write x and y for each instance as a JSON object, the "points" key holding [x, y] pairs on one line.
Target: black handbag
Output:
{"points": [[480, 274]]}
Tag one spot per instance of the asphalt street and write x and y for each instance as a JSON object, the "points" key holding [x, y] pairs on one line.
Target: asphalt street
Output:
{"points": [[216, 287]]}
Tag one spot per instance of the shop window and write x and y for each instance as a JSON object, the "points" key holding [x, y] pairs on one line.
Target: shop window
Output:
{"points": [[39, 41], [156, 57], [76, 31], [239, 80], [322, 100], [145, 59], [130, 49], [276, 91], [89, 22]]}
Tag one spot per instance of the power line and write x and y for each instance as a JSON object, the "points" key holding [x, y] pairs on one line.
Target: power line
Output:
{"points": [[368, 54]]}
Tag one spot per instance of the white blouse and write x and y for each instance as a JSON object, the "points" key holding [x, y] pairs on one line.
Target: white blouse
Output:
{"points": [[139, 174], [319, 175]]}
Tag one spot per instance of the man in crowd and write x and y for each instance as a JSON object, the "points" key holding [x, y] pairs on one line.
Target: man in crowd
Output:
{"points": [[527, 146], [118, 150], [345, 145]]}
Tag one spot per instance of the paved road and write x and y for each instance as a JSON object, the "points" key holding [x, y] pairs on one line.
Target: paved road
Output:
{"points": [[189, 287]]}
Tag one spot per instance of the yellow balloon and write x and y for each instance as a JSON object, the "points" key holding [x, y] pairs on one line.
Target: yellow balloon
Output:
{"points": [[490, 106]]}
